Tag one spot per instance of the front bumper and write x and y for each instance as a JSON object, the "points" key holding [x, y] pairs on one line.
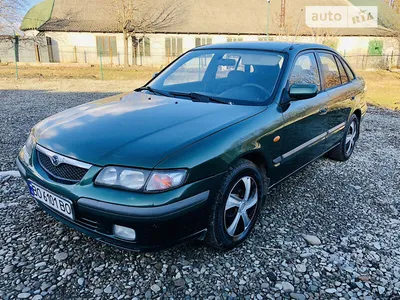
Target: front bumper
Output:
{"points": [[181, 216]]}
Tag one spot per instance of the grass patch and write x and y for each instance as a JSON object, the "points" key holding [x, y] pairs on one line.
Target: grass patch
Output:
{"points": [[383, 88], [26, 71]]}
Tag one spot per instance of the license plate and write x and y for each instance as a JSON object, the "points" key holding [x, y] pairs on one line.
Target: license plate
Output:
{"points": [[51, 200]]}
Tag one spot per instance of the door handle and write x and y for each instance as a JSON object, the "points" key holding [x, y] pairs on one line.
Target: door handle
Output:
{"points": [[323, 110]]}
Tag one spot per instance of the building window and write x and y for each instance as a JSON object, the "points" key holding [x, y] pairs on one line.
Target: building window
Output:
{"points": [[173, 46], [203, 41], [106, 45], [234, 39], [144, 46], [264, 39]]}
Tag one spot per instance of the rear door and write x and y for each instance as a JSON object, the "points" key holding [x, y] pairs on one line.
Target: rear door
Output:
{"points": [[341, 96], [304, 135]]}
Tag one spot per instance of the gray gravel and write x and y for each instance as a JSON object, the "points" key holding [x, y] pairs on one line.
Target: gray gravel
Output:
{"points": [[330, 231]]}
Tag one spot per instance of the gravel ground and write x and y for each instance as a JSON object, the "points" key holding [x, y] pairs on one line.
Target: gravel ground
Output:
{"points": [[352, 208]]}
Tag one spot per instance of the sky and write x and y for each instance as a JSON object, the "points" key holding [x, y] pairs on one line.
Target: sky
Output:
{"points": [[32, 3]]}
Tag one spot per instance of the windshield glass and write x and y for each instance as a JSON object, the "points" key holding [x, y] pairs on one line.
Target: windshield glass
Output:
{"points": [[246, 77]]}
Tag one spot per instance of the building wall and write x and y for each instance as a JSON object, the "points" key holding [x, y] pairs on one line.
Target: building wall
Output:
{"points": [[80, 47], [26, 50]]}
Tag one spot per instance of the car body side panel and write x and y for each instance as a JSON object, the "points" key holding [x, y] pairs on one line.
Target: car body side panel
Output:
{"points": [[304, 133], [341, 104]]}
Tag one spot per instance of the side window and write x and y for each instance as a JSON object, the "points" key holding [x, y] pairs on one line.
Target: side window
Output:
{"points": [[192, 71], [342, 72], [305, 71], [349, 72], [329, 70]]}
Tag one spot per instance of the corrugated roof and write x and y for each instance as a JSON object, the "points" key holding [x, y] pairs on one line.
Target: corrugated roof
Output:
{"points": [[203, 17], [37, 15]]}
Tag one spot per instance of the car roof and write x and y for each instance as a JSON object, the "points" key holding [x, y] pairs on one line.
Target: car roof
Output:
{"points": [[268, 46]]}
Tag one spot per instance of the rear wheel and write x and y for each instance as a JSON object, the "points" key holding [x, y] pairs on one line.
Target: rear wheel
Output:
{"points": [[343, 151], [237, 205]]}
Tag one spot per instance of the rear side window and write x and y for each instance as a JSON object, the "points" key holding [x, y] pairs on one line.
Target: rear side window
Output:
{"points": [[330, 70], [342, 72], [305, 71], [349, 72]]}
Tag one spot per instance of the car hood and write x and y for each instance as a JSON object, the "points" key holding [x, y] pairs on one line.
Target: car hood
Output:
{"points": [[135, 129]]}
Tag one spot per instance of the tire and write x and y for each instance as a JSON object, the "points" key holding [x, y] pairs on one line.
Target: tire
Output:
{"points": [[233, 205], [344, 150]]}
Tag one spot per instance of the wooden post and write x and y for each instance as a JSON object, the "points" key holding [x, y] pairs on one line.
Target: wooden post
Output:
{"points": [[37, 54], [75, 55], [101, 66]]}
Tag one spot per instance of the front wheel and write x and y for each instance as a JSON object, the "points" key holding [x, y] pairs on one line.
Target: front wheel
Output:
{"points": [[237, 206], [343, 151]]}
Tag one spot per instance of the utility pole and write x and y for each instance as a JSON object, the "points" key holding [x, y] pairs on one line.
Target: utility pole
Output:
{"points": [[268, 13]]}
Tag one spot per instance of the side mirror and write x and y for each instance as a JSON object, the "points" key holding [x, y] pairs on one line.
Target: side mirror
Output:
{"points": [[156, 74], [299, 91]]}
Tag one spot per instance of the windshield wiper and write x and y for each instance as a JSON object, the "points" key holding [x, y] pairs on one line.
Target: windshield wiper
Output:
{"points": [[154, 91], [198, 97]]}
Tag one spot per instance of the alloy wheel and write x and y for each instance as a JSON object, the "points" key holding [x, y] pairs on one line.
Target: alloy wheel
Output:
{"points": [[351, 137], [241, 206]]}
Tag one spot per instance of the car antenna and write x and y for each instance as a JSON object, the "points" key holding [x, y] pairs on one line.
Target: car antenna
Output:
{"points": [[297, 26]]}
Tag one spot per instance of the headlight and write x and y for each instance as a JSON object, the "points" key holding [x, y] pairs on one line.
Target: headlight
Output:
{"points": [[135, 179], [27, 150], [165, 180], [124, 178]]}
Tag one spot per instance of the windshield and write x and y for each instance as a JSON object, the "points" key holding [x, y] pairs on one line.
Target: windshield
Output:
{"points": [[245, 77]]}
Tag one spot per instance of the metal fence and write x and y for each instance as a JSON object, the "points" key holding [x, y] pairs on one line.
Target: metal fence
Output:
{"points": [[364, 62], [29, 51]]}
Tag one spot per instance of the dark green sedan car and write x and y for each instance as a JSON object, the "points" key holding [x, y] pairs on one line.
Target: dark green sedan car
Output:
{"points": [[191, 154]]}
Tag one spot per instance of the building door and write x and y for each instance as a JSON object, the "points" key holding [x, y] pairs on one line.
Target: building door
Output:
{"points": [[50, 49]]}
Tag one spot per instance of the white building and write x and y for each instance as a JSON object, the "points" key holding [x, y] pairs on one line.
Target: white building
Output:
{"points": [[88, 31]]}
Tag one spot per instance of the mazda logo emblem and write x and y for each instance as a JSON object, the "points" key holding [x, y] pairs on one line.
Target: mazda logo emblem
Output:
{"points": [[55, 160]]}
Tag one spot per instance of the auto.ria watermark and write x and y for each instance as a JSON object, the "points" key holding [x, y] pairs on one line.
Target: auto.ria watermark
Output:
{"points": [[342, 16]]}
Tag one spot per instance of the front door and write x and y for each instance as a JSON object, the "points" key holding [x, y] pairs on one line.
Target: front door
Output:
{"points": [[303, 137]]}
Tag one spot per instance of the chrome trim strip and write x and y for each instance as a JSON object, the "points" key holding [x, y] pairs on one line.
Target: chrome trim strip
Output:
{"points": [[63, 159], [298, 169], [337, 128], [305, 145], [318, 138]]}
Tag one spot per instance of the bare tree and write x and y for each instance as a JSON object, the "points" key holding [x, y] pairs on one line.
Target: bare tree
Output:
{"points": [[11, 12], [390, 19], [139, 17]]}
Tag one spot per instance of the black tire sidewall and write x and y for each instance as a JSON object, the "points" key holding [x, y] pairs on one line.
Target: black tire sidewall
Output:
{"points": [[352, 119], [246, 169]]}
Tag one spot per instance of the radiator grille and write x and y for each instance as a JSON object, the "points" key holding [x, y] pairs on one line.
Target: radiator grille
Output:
{"points": [[64, 171]]}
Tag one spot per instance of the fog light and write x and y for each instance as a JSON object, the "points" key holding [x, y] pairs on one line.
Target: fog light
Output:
{"points": [[125, 233]]}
